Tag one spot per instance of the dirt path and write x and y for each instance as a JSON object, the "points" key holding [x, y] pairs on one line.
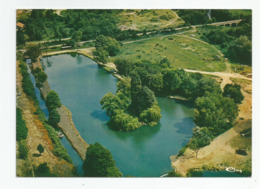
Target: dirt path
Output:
{"points": [[37, 134], [225, 76]]}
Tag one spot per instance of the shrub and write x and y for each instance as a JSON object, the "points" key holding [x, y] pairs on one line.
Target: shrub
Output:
{"points": [[40, 148], [194, 173], [181, 152], [173, 174], [241, 152]]}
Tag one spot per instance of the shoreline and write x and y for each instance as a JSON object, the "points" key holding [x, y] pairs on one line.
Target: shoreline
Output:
{"points": [[66, 123]]}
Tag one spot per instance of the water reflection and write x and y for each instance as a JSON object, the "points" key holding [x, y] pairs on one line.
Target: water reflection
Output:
{"points": [[185, 126]]}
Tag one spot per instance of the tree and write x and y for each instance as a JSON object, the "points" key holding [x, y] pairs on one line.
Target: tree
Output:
{"points": [[234, 92], [165, 63], [151, 116], [76, 36], [172, 80], [124, 66], [216, 112], [40, 149], [20, 39], [201, 137], [155, 82], [54, 118], [33, 51], [109, 44], [136, 85], [101, 55], [145, 99], [99, 162], [124, 122], [43, 171], [52, 100], [40, 76], [240, 50]]}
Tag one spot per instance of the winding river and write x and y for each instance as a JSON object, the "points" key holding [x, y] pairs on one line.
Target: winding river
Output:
{"points": [[145, 152]]}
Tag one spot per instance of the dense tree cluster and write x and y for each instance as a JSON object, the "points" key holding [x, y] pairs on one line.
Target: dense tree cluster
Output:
{"points": [[132, 103], [195, 17], [234, 92], [106, 46], [216, 112], [116, 107], [235, 42], [99, 162]]}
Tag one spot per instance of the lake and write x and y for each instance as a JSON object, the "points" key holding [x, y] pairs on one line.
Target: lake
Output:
{"points": [[145, 152]]}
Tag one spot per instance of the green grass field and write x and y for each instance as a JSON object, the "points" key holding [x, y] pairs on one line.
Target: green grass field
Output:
{"points": [[181, 50], [148, 19]]}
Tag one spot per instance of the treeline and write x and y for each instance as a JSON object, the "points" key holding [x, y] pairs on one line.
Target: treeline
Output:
{"points": [[235, 42], [204, 16], [21, 134], [78, 24], [28, 88]]}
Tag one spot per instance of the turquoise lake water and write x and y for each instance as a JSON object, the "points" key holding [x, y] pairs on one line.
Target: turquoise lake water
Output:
{"points": [[145, 152]]}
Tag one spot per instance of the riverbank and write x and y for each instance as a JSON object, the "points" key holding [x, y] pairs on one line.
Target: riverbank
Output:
{"points": [[37, 134], [66, 123], [220, 154]]}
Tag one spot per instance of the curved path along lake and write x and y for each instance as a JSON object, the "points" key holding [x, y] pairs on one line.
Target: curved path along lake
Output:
{"points": [[145, 152]]}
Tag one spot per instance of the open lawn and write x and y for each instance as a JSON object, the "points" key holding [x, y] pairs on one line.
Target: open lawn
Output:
{"points": [[181, 50], [148, 19]]}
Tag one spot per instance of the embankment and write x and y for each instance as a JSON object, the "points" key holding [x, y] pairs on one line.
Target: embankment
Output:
{"points": [[66, 123]]}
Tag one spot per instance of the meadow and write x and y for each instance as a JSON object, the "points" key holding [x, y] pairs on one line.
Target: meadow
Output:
{"points": [[181, 50]]}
